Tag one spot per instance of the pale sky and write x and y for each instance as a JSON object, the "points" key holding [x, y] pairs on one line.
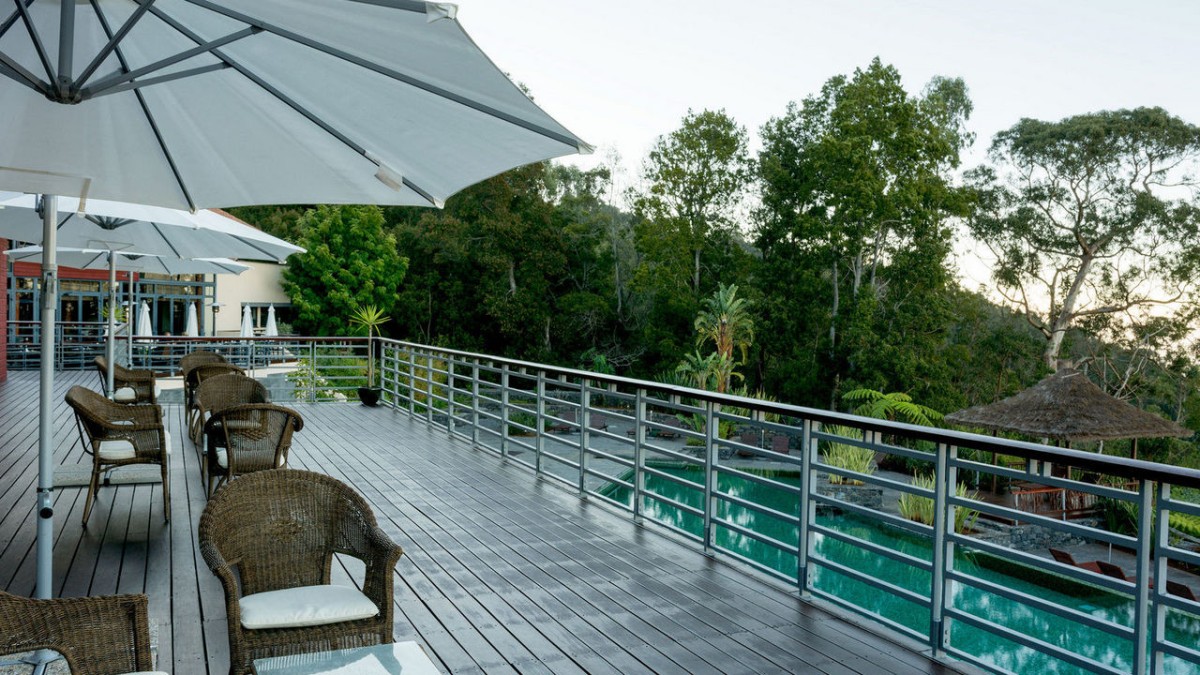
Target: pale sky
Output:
{"points": [[620, 73]]}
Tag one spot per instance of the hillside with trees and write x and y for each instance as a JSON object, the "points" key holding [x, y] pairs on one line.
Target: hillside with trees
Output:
{"points": [[831, 250]]}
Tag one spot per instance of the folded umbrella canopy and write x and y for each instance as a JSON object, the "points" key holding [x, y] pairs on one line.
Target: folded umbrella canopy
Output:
{"points": [[216, 103], [191, 327]]}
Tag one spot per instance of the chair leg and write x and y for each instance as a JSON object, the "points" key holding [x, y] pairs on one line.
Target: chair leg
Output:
{"points": [[93, 487], [166, 483]]}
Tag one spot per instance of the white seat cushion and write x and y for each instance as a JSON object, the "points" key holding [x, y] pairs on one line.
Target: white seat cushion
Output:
{"points": [[115, 451], [223, 459], [305, 606], [125, 395]]}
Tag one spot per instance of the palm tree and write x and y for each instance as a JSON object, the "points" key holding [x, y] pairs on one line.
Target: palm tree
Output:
{"points": [[726, 321]]}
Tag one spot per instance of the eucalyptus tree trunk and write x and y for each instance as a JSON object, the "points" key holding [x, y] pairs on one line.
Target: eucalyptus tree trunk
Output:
{"points": [[1066, 314]]}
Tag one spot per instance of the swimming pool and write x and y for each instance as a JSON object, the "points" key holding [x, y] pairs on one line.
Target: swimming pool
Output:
{"points": [[1080, 639]]}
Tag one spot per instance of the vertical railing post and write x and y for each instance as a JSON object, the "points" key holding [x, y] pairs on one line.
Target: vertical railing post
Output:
{"points": [[1162, 539], [710, 472], [312, 381], [539, 423], [412, 382], [585, 432], [808, 449], [450, 385], [941, 521], [1141, 591], [475, 403], [429, 400], [504, 411], [639, 453]]}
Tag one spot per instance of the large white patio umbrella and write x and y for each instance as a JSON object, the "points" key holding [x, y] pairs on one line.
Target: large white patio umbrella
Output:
{"points": [[247, 322], [144, 326], [93, 259], [199, 103], [272, 328]]}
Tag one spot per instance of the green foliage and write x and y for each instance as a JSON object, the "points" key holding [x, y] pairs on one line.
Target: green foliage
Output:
{"points": [[921, 509], [1085, 212], [1186, 523], [349, 263], [368, 318], [893, 406], [846, 456]]}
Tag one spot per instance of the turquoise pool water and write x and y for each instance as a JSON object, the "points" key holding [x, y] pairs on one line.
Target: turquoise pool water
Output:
{"points": [[1089, 642]]}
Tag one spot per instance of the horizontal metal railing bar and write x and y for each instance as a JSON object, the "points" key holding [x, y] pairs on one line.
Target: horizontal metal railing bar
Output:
{"points": [[763, 569], [885, 586], [1190, 557], [1180, 651], [608, 456], [758, 508], [1125, 632], [896, 521], [859, 611], [872, 479], [876, 446], [1131, 468], [682, 482], [662, 499], [1051, 481], [1047, 564], [674, 455], [752, 477], [761, 538], [616, 480], [573, 464], [1081, 531], [898, 556], [1028, 641], [1180, 507]]}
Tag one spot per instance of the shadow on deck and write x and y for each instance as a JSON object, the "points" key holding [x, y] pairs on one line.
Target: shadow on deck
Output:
{"points": [[501, 572]]}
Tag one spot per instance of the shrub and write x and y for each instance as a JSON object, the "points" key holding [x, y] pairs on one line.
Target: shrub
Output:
{"points": [[921, 509], [846, 456]]}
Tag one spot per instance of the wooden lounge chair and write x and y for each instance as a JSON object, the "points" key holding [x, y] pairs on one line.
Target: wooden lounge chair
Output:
{"points": [[1115, 571], [1182, 590], [130, 386], [104, 635], [119, 435], [1067, 559], [270, 538]]}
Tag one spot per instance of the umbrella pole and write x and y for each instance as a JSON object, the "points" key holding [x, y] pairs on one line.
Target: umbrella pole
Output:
{"points": [[45, 489], [111, 347]]}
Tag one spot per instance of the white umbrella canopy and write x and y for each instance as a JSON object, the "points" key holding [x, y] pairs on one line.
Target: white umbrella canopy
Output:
{"points": [[272, 328], [94, 259], [148, 230], [231, 102], [144, 327], [192, 324], [247, 323]]}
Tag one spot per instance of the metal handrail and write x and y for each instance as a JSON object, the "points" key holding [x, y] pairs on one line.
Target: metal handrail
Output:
{"points": [[489, 401]]}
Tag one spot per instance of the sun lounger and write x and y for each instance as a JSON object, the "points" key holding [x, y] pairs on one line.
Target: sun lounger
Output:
{"points": [[1067, 559]]}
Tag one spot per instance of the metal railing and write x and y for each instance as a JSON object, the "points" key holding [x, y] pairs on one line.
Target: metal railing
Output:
{"points": [[687, 459]]}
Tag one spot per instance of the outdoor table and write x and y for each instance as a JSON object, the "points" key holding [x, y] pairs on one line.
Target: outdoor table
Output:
{"points": [[407, 657]]}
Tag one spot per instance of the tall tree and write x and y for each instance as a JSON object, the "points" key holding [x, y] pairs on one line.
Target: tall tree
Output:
{"points": [[349, 262], [853, 229], [1090, 216], [695, 178]]}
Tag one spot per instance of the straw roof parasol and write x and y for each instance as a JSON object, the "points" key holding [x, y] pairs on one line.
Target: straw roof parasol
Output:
{"points": [[1066, 406]]}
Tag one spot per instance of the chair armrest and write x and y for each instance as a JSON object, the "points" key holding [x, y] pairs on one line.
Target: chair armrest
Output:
{"points": [[142, 417], [218, 416], [380, 554], [223, 570]]}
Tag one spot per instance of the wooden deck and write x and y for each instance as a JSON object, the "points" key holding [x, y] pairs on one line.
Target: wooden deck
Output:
{"points": [[502, 573]]}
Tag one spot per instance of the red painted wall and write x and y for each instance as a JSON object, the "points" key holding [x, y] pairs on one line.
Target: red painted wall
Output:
{"points": [[3, 311]]}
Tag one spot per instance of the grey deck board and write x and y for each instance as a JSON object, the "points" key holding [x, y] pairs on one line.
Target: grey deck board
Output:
{"points": [[502, 572]]}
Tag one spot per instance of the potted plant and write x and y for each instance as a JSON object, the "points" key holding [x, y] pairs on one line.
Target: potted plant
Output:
{"points": [[369, 318]]}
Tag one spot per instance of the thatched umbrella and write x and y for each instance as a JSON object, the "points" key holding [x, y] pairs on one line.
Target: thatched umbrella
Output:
{"points": [[1066, 406]]}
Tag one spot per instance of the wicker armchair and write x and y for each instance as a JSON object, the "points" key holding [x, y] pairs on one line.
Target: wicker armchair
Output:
{"points": [[191, 381], [130, 386], [246, 438], [270, 538], [219, 392], [104, 635], [118, 435], [190, 361]]}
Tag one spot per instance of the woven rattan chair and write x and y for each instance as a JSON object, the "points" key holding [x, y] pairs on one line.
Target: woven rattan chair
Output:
{"points": [[104, 635], [192, 381], [119, 435], [190, 361], [246, 438], [131, 386], [220, 392], [270, 538]]}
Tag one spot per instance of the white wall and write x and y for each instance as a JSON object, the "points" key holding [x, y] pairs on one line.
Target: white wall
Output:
{"points": [[259, 284]]}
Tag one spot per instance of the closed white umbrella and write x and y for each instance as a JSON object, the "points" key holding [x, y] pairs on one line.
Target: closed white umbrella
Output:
{"points": [[198, 103], [192, 324], [247, 323], [272, 329], [144, 327]]}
